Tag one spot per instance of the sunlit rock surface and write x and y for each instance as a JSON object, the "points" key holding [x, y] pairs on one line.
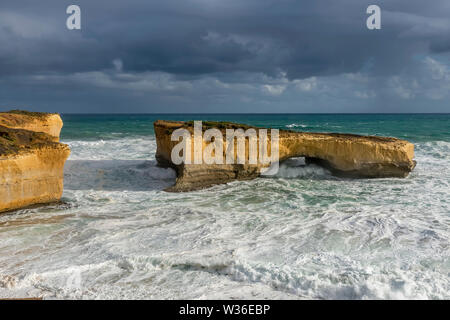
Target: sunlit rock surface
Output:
{"points": [[31, 159], [49, 123], [343, 154]]}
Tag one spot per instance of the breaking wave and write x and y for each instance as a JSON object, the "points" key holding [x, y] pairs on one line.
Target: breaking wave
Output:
{"points": [[296, 168], [296, 125]]}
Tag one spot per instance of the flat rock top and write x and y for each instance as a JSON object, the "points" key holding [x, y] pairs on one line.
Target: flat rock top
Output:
{"points": [[14, 136], [21, 118], [13, 141], [28, 113], [222, 125]]}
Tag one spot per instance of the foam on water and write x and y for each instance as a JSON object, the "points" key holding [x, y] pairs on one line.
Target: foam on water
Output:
{"points": [[312, 126], [300, 234], [296, 168], [296, 125], [126, 149]]}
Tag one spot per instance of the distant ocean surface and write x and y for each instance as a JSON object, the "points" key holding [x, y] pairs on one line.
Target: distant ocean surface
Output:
{"points": [[301, 234]]}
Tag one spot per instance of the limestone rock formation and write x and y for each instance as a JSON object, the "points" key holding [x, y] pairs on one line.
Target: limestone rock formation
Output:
{"points": [[31, 159], [343, 154], [49, 123]]}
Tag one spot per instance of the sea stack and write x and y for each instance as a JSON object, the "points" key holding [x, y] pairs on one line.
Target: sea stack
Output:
{"points": [[31, 159], [346, 155]]}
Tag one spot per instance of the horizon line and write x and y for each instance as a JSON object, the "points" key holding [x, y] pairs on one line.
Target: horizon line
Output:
{"points": [[242, 113]]}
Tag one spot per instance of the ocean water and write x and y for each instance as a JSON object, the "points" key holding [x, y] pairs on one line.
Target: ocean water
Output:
{"points": [[299, 235]]}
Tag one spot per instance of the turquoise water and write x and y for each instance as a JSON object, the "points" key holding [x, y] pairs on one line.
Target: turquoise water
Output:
{"points": [[301, 234], [414, 127]]}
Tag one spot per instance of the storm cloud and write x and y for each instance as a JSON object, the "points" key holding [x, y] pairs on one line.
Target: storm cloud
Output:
{"points": [[225, 56]]}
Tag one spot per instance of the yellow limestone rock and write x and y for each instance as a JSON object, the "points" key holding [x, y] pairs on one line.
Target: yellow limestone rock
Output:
{"points": [[343, 154], [31, 159], [49, 123]]}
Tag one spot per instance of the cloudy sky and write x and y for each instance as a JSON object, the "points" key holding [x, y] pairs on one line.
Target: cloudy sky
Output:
{"points": [[225, 56]]}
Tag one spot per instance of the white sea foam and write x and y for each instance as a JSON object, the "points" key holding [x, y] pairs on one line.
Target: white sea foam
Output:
{"points": [[296, 125], [301, 234], [126, 149], [296, 168], [311, 125]]}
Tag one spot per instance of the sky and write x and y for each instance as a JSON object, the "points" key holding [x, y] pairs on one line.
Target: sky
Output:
{"points": [[227, 56]]}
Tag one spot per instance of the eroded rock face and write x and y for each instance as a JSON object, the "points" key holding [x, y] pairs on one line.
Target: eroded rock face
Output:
{"points": [[343, 154], [31, 159], [49, 123]]}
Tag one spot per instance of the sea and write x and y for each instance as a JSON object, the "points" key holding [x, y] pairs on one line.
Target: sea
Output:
{"points": [[302, 234]]}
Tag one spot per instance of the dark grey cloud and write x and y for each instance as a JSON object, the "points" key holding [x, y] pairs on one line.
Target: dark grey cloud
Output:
{"points": [[174, 50]]}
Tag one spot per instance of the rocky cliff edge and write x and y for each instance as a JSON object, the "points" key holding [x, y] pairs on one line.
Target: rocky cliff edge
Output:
{"points": [[31, 159]]}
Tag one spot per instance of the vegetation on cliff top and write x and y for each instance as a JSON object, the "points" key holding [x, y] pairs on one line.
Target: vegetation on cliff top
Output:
{"points": [[223, 125], [14, 140], [30, 113], [219, 125]]}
